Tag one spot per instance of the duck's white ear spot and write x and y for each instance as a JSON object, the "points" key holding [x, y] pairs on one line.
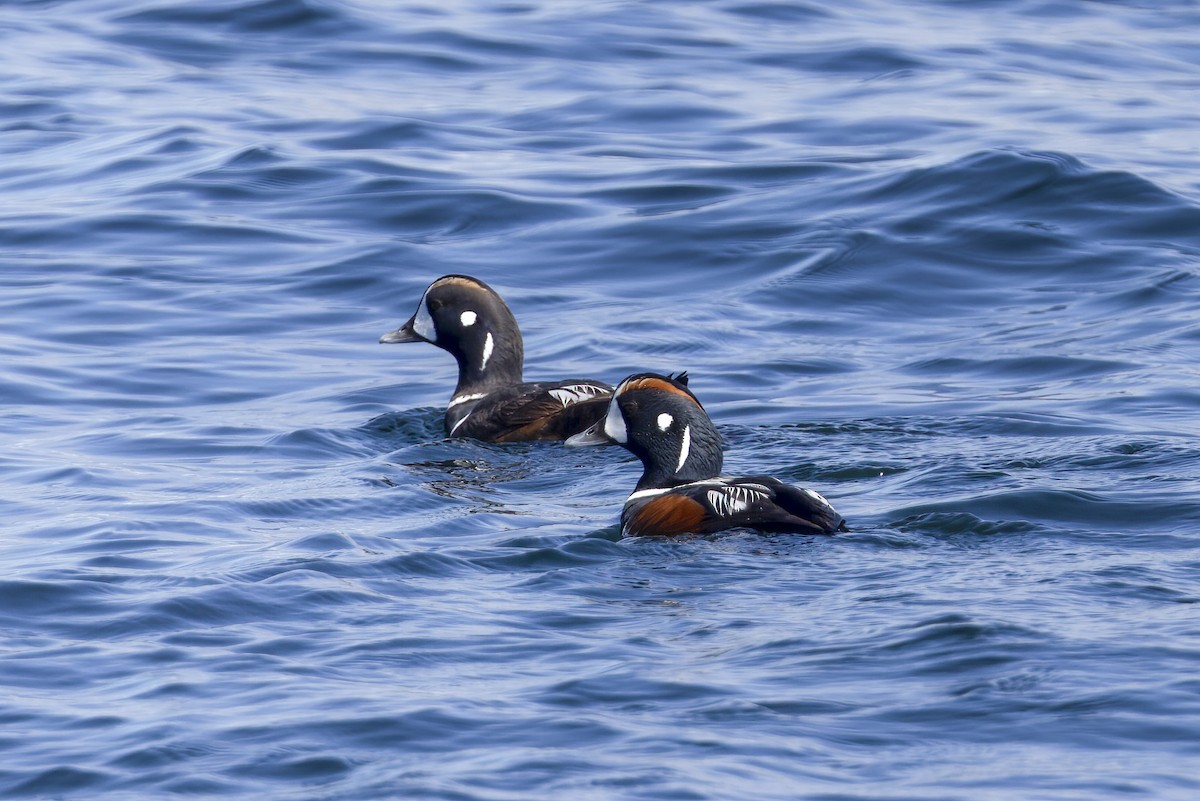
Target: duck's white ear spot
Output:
{"points": [[614, 424], [488, 344], [664, 421], [468, 318]]}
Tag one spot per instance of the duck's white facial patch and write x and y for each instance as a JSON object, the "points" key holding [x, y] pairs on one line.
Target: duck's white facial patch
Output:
{"points": [[614, 424], [488, 344], [685, 448], [423, 321], [468, 318], [664, 421]]}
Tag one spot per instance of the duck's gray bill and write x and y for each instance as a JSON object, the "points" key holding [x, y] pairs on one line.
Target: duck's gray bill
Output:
{"points": [[404, 333], [592, 436]]}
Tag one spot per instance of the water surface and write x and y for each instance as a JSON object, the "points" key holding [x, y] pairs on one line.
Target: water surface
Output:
{"points": [[938, 261]]}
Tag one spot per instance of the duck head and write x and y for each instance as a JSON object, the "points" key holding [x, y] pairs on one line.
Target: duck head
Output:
{"points": [[465, 317], [658, 419]]}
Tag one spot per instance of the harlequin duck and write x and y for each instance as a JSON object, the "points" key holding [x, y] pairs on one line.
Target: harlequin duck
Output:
{"points": [[466, 317], [659, 419]]}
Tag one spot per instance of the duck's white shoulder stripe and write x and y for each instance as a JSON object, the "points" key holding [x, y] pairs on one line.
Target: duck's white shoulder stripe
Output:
{"points": [[459, 423], [725, 499], [574, 393], [647, 493], [463, 399]]}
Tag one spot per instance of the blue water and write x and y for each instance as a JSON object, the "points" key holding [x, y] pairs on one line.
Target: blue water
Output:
{"points": [[939, 261]]}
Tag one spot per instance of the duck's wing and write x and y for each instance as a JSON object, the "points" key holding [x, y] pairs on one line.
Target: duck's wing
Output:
{"points": [[551, 410], [789, 508], [703, 507]]}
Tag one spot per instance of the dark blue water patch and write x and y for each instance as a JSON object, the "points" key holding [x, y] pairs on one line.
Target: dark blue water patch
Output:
{"points": [[288, 16], [133, 159], [387, 134], [422, 216], [207, 37], [491, 49], [665, 198], [629, 112], [400, 57], [324, 444], [535, 556], [779, 12], [1031, 369], [1146, 460], [861, 61], [358, 276], [25, 599], [1049, 188], [1169, 408], [411, 426], [253, 175], [112, 231], [1134, 583], [1087, 510], [60, 780]]}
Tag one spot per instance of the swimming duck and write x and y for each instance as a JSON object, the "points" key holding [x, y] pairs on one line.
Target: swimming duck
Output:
{"points": [[492, 402], [660, 421]]}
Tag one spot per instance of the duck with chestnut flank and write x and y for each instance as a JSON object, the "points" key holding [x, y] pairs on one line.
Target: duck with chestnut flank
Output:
{"points": [[492, 402], [681, 491]]}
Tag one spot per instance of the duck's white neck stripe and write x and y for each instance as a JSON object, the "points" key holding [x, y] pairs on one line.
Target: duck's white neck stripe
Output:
{"points": [[685, 448], [488, 344], [463, 399]]}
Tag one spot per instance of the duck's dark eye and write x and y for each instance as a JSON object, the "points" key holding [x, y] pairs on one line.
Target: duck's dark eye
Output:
{"points": [[435, 304]]}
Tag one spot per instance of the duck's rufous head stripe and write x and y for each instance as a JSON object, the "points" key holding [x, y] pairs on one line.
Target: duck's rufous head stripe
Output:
{"points": [[654, 383], [461, 280]]}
